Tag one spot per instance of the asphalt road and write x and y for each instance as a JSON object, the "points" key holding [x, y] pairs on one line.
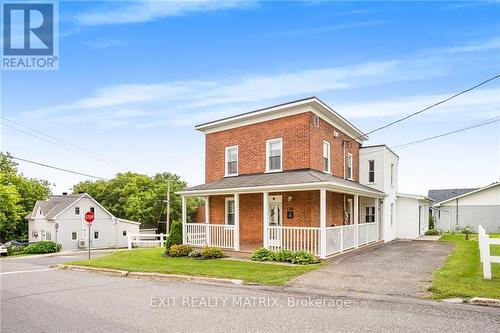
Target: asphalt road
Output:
{"points": [[34, 298]]}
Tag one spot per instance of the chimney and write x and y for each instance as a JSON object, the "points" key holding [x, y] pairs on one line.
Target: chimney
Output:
{"points": [[65, 193]]}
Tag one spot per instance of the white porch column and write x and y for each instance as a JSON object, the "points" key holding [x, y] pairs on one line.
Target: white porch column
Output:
{"points": [[207, 220], [265, 212], [377, 212], [184, 220], [236, 222], [356, 219], [322, 223]]}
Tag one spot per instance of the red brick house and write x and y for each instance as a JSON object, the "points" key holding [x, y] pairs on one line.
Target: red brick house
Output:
{"points": [[286, 176]]}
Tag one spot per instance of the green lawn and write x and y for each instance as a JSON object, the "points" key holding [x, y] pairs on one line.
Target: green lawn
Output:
{"points": [[462, 274], [150, 260]]}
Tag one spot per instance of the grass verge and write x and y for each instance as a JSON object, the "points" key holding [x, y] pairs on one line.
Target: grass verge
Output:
{"points": [[462, 273], [151, 261]]}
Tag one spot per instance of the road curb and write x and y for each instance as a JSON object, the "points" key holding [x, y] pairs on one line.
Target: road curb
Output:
{"points": [[150, 276], [485, 301]]}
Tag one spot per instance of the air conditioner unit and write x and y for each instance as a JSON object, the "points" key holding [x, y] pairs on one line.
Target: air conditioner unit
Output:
{"points": [[82, 243]]}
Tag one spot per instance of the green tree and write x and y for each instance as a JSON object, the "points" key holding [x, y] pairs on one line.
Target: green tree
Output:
{"points": [[19, 195]]}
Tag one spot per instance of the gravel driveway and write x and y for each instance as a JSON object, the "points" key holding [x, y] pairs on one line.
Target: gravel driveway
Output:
{"points": [[401, 268]]}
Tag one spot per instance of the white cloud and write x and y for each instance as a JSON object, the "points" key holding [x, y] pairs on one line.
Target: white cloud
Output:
{"points": [[316, 30], [102, 43], [145, 11]]}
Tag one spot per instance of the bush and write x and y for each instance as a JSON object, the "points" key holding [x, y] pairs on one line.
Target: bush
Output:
{"points": [[284, 256], [175, 235], [467, 230], [262, 254], [209, 252], [42, 247], [433, 232], [180, 250], [13, 250], [194, 254], [432, 222], [304, 258]]}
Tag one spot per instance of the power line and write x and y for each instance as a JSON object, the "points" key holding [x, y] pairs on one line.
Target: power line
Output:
{"points": [[430, 106], [57, 168], [67, 145], [486, 122]]}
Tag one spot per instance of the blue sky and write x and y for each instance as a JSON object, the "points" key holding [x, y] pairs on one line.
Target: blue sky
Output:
{"points": [[135, 77]]}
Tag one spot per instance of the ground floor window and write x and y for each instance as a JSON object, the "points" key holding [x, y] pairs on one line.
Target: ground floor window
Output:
{"points": [[74, 236], [369, 214], [96, 234], [230, 211], [48, 236], [124, 233]]}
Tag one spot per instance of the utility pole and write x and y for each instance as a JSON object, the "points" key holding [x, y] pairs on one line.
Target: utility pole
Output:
{"points": [[167, 231]]}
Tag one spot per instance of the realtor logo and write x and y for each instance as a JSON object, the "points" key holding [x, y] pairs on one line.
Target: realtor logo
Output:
{"points": [[30, 36]]}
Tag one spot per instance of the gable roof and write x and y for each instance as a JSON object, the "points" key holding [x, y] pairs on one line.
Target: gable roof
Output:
{"points": [[445, 194], [472, 191], [310, 104], [281, 180]]}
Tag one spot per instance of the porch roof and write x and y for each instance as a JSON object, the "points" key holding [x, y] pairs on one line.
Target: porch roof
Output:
{"points": [[295, 180]]}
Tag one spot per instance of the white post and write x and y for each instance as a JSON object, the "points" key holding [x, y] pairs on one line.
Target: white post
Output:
{"points": [[356, 219], [236, 222], [322, 223], [265, 212], [184, 220], [207, 220], [161, 240], [486, 256], [129, 241], [377, 226], [480, 239]]}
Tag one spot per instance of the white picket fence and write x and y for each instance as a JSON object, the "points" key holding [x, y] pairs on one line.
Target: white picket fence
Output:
{"points": [[200, 234], [294, 239], [484, 251], [346, 237], [146, 240]]}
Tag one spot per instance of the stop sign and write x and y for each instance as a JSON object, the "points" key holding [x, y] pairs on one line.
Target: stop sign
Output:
{"points": [[89, 217]]}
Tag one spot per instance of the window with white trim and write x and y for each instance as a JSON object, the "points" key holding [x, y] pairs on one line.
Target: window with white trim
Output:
{"points": [[371, 171], [392, 174], [229, 220], [349, 166], [96, 234], [369, 214], [74, 235], [392, 213], [274, 155], [77, 210], [92, 209], [124, 233], [232, 161], [48, 236], [326, 156]]}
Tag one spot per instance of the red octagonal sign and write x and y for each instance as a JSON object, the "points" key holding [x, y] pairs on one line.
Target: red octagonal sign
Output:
{"points": [[89, 217]]}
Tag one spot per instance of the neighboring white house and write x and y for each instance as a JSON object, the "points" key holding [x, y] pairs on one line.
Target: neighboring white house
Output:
{"points": [[413, 215], [403, 215], [462, 207], [61, 219]]}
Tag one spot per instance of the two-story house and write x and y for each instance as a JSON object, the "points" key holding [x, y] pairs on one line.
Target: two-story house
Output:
{"points": [[286, 176]]}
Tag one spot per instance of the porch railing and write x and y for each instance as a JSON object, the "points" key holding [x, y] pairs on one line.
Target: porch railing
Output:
{"points": [[200, 234], [294, 239]]}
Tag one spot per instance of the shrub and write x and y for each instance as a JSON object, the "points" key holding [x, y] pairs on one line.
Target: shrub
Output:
{"points": [[432, 222], [304, 258], [175, 235], [194, 254], [262, 254], [179, 250], [467, 230], [433, 232], [42, 247], [284, 255], [211, 252]]}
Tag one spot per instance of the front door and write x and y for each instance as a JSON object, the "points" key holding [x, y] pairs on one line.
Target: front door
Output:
{"points": [[275, 213]]}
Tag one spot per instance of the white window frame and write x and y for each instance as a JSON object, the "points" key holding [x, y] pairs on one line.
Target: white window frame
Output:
{"points": [[370, 171], [370, 208], [76, 234], [349, 168], [327, 150], [392, 214], [48, 236], [124, 233], [226, 161], [79, 210], [392, 174], [268, 152], [92, 209], [226, 210], [98, 234]]}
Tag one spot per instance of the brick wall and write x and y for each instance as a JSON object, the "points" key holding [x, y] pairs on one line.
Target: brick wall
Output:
{"points": [[302, 146]]}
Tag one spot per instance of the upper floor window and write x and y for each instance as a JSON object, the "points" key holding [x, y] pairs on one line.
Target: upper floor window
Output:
{"points": [[232, 161], [392, 174], [77, 210], [349, 166], [326, 156], [274, 155], [371, 171], [92, 209]]}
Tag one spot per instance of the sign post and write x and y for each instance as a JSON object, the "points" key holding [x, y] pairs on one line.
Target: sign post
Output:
{"points": [[89, 217]]}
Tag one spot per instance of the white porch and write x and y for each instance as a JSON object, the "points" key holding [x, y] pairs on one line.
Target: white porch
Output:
{"points": [[321, 240]]}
